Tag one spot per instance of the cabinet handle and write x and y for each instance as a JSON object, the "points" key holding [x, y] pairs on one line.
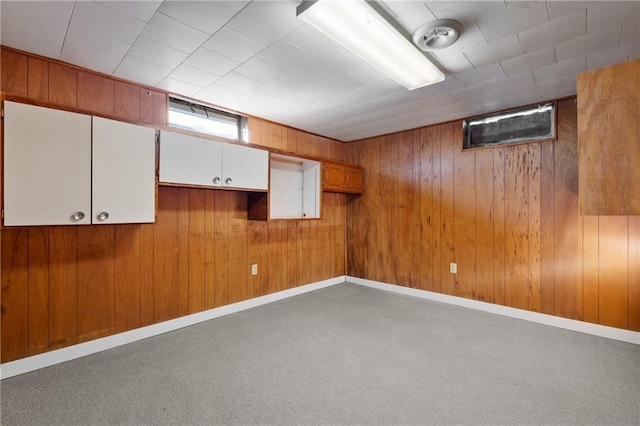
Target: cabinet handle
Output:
{"points": [[103, 216], [78, 216], [228, 181], [216, 180]]}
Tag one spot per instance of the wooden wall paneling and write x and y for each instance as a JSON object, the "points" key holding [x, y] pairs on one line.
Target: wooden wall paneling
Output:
{"points": [[38, 79], [568, 292], [436, 244], [464, 218], [38, 284], [96, 282], [340, 244], [448, 148], [634, 273], [239, 269], [127, 280], [196, 254], [14, 73], [534, 214], [388, 233], [254, 125], [147, 272], [614, 266], [484, 225], [590, 264], [160, 109], [516, 235], [96, 93], [15, 294], [127, 101], [357, 216], [165, 260], [547, 229], [210, 248], [63, 85], [405, 207], [63, 286], [276, 256], [222, 244], [294, 254], [182, 254], [147, 108], [423, 225], [499, 226]]}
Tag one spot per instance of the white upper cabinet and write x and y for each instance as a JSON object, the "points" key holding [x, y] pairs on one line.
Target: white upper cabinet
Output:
{"points": [[123, 172], [51, 176], [47, 166], [189, 160]]}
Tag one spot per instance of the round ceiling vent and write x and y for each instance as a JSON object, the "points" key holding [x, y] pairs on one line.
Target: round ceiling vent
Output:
{"points": [[437, 34]]}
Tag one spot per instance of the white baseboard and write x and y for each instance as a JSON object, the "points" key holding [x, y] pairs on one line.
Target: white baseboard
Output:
{"points": [[568, 324], [47, 359]]}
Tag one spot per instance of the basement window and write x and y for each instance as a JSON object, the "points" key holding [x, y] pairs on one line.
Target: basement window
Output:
{"points": [[529, 124], [204, 119]]}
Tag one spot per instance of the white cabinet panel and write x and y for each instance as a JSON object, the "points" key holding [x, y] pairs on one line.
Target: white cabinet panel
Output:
{"points": [[245, 167], [47, 166], [189, 160], [123, 172]]}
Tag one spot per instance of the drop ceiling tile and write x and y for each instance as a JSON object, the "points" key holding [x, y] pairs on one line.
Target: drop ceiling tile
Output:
{"points": [[324, 54], [107, 21], [342, 83], [205, 16], [142, 10], [314, 94], [286, 55], [613, 56], [16, 25], [236, 5], [87, 48], [303, 76], [21, 45], [630, 33], [591, 43], [178, 87], [451, 62], [513, 83], [470, 92], [259, 70], [141, 71], [558, 9], [410, 15], [277, 88], [605, 15], [293, 102], [211, 62], [192, 75], [237, 82], [524, 63], [519, 16], [157, 53], [554, 32], [481, 75], [218, 95], [261, 24], [505, 48], [367, 74], [568, 83], [172, 33], [552, 72], [496, 102], [284, 8], [234, 45]]}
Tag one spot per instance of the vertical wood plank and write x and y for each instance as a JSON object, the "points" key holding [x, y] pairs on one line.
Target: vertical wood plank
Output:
{"points": [[15, 294], [210, 249], [63, 85], [96, 93], [405, 206], [448, 147], [423, 246], [533, 156], [127, 101], [160, 109], [147, 269], [183, 251], [221, 254], [196, 238], [14, 73], [484, 226], [464, 217], [437, 244], [147, 108], [613, 271], [547, 230], [590, 262], [238, 248], [96, 282], [38, 279], [127, 277], [634, 273], [63, 286], [38, 79], [165, 259], [499, 226]]}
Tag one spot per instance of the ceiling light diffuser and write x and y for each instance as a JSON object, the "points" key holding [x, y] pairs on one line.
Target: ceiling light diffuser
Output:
{"points": [[355, 25]]}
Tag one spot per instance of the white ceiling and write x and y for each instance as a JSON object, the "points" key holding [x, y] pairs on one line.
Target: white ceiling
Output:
{"points": [[258, 58]]}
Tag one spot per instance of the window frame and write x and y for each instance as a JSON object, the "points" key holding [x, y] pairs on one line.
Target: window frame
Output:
{"points": [[207, 112]]}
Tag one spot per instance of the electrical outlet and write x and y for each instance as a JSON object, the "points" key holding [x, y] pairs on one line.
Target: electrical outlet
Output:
{"points": [[453, 268], [254, 269]]}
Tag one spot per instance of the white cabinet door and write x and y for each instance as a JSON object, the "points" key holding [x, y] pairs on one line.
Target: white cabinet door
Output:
{"points": [[245, 167], [189, 160], [123, 172], [47, 166]]}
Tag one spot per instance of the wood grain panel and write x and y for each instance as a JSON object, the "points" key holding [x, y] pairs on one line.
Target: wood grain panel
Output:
{"points": [[183, 251], [210, 248], [547, 229], [499, 226], [96, 282], [38, 79], [423, 246], [614, 270], [590, 265], [96, 93], [15, 294], [63, 85], [221, 254], [147, 270], [127, 282], [13, 78], [38, 260], [449, 145], [533, 230], [147, 108], [165, 260], [464, 216], [404, 223], [634, 273], [434, 138], [238, 248], [196, 240], [160, 109], [127, 101], [63, 286], [484, 225]]}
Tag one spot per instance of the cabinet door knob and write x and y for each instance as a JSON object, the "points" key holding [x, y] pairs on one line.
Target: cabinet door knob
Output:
{"points": [[78, 216], [216, 180], [228, 181], [103, 216]]}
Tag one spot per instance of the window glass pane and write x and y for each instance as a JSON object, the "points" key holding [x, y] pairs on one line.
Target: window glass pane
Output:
{"points": [[203, 119]]}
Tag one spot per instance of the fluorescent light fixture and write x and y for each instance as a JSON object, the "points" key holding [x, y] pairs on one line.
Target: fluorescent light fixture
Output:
{"points": [[355, 25]]}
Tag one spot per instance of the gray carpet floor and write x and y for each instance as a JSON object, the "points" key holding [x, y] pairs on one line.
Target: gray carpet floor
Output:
{"points": [[346, 354]]}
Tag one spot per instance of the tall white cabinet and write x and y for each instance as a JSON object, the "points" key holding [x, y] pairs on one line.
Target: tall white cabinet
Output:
{"points": [[63, 168]]}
